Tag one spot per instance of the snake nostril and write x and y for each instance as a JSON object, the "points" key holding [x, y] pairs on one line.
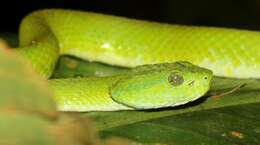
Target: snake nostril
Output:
{"points": [[191, 83]]}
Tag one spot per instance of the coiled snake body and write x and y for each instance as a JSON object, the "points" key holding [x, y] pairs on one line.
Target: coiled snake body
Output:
{"points": [[46, 34]]}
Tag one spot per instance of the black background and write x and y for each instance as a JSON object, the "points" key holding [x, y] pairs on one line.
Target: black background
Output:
{"points": [[224, 13]]}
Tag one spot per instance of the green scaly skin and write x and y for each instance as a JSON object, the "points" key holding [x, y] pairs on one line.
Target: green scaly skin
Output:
{"points": [[144, 87], [45, 35]]}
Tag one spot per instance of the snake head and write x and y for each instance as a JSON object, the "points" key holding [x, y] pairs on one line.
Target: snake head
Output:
{"points": [[162, 85]]}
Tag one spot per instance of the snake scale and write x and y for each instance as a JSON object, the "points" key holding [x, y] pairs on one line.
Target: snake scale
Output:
{"points": [[170, 64]]}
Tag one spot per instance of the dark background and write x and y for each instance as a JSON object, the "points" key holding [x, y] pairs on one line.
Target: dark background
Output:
{"points": [[224, 13]]}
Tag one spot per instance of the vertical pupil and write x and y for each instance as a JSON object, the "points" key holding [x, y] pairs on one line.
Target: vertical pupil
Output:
{"points": [[175, 79]]}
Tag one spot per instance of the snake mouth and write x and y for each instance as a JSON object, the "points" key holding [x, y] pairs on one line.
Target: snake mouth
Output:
{"points": [[191, 83]]}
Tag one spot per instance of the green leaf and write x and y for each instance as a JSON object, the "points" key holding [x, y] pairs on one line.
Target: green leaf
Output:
{"points": [[74, 67], [230, 125]]}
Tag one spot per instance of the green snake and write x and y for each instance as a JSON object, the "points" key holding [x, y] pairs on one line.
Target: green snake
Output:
{"points": [[159, 56]]}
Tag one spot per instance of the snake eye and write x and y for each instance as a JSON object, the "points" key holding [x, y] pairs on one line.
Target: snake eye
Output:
{"points": [[175, 79]]}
